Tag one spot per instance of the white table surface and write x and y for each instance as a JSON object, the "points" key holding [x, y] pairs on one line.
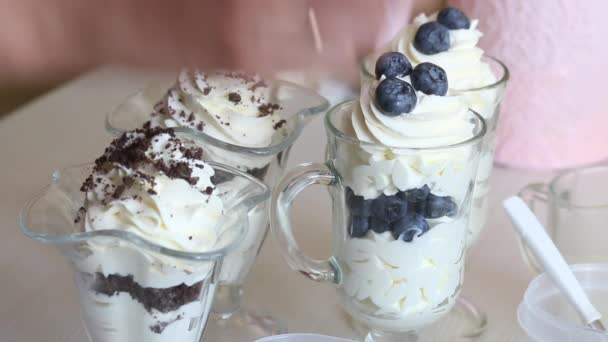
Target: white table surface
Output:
{"points": [[37, 299]]}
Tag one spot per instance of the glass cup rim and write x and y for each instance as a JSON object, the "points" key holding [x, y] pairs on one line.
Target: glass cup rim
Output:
{"points": [[132, 238], [338, 134], [506, 74], [273, 149], [549, 318], [554, 185]]}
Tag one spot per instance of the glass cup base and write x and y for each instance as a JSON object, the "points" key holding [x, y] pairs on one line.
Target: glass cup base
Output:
{"points": [[243, 325], [465, 322]]}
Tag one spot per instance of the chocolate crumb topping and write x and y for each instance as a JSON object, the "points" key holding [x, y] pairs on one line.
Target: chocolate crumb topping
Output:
{"points": [[234, 98], [267, 109], [200, 126], [191, 117], [209, 190], [206, 91], [152, 192], [194, 153], [118, 191]]}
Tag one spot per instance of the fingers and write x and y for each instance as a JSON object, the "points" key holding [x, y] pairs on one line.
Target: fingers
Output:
{"points": [[263, 35]]}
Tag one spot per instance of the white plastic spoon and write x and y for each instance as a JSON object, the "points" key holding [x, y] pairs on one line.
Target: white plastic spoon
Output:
{"points": [[535, 237]]}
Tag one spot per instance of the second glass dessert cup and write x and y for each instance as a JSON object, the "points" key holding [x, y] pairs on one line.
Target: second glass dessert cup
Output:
{"points": [[131, 288], [398, 258], [485, 100], [300, 105]]}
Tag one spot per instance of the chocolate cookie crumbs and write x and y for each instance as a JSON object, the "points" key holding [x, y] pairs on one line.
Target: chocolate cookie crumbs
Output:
{"points": [[279, 124], [159, 327], [209, 190], [267, 109], [152, 192], [234, 98], [160, 299], [191, 117], [118, 191], [206, 91]]}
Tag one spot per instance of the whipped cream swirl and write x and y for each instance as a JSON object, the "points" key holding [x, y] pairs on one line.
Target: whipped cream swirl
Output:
{"points": [[149, 183], [435, 121], [462, 62], [232, 107]]}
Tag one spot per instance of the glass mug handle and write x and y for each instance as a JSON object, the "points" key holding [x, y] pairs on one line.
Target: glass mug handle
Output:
{"points": [[532, 194], [298, 179]]}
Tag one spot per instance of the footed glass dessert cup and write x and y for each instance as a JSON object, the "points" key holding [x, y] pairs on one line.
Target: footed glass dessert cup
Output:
{"points": [[130, 288], [299, 106], [486, 101], [400, 219]]}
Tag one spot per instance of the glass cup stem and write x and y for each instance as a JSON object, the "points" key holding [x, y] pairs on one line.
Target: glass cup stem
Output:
{"points": [[227, 301]]}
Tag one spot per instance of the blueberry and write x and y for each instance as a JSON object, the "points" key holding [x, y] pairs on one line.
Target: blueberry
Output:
{"points": [[395, 97], [392, 64], [379, 225], [432, 38], [389, 208], [359, 226], [412, 225], [453, 18], [357, 204], [417, 195], [430, 79], [440, 206]]}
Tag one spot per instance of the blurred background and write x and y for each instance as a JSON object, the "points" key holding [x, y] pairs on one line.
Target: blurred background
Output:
{"points": [[16, 91]]}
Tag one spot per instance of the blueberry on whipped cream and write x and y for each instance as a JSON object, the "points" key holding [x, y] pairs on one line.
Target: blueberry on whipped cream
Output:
{"points": [[432, 38], [395, 96], [430, 79], [393, 64], [453, 18]]}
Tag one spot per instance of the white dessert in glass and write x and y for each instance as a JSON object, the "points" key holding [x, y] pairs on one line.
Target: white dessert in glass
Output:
{"points": [[396, 282], [479, 79], [401, 182], [242, 121], [148, 241]]}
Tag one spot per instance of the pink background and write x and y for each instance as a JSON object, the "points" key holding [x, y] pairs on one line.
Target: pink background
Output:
{"points": [[555, 114]]}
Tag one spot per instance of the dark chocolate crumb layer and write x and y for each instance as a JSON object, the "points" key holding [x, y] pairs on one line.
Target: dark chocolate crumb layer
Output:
{"points": [[159, 327], [160, 299]]}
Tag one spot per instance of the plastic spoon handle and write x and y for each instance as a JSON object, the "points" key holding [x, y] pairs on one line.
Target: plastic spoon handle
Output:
{"points": [[536, 238]]}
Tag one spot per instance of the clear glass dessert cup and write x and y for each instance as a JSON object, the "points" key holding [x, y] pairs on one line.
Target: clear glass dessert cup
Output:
{"points": [[486, 101], [131, 288], [300, 105], [392, 284]]}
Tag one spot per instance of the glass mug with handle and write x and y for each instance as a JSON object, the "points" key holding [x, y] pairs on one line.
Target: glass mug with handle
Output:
{"points": [[576, 207], [398, 255]]}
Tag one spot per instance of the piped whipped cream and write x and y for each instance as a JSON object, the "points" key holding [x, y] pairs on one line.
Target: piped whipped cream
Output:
{"points": [[462, 62], [436, 121], [232, 107], [149, 183]]}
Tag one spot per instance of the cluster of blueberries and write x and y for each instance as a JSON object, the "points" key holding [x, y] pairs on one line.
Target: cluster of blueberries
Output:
{"points": [[404, 214], [434, 37], [395, 96]]}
